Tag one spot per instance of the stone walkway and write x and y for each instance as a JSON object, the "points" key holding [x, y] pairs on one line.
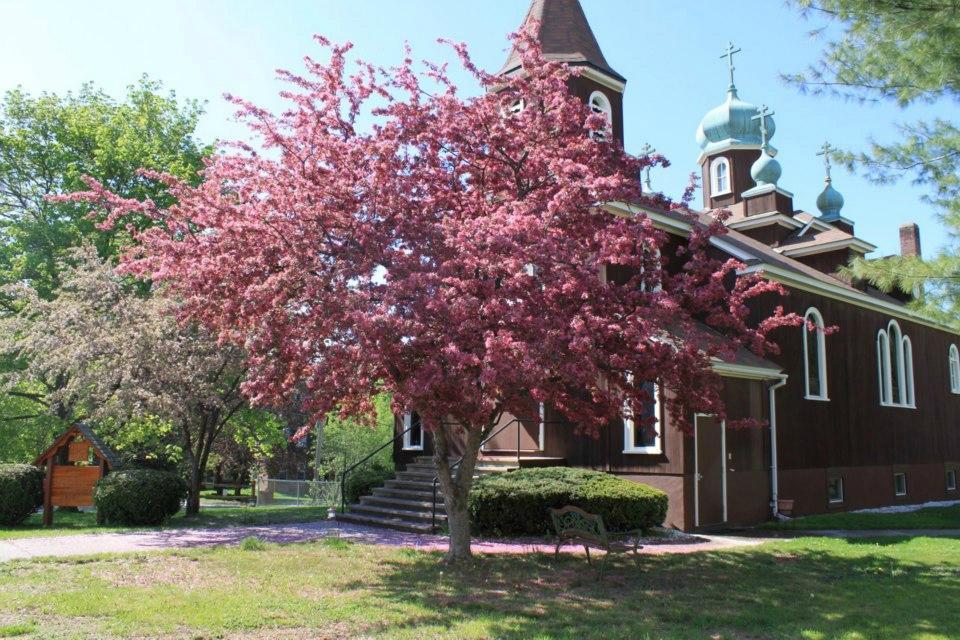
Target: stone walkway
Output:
{"points": [[86, 544]]}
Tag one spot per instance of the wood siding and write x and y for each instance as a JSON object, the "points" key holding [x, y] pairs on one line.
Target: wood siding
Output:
{"points": [[852, 434], [740, 179]]}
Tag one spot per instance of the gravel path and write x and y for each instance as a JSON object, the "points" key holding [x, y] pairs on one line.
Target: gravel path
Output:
{"points": [[77, 545]]}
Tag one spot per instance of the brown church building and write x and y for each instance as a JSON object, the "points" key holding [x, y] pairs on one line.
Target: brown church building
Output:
{"points": [[866, 416]]}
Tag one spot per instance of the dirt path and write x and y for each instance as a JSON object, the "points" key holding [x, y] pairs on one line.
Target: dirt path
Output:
{"points": [[77, 545]]}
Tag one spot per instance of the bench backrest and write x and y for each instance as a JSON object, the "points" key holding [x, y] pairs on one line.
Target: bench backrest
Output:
{"points": [[574, 522]]}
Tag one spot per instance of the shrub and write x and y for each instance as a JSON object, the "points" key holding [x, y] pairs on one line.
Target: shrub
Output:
{"points": [[138, 497], [364, 478], [21, 492], [517, 503]]}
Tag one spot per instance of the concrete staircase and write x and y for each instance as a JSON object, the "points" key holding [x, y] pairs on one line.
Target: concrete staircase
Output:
{"points": [[405, 502]]}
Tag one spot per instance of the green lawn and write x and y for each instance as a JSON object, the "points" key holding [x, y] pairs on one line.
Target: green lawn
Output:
{"points": [[803, 588], [929, 518], [66, 523]]}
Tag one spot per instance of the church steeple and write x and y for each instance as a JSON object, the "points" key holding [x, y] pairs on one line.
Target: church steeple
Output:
{"points": [[566, 36]]}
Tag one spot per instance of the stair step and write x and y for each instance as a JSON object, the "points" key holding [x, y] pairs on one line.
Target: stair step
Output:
{"points": [[406, 494], [421, 468], [416, 485], [386, 523], [402, 514], [404, 503], [426, 476]]}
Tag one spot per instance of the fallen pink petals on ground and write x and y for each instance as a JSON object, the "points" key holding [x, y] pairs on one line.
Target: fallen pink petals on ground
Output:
{"points": [[141, 541]]}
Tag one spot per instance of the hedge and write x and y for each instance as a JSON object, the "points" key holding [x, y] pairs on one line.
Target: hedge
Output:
{"points": [[517, 503], [138, 497], [21, 492], [364, 478]]}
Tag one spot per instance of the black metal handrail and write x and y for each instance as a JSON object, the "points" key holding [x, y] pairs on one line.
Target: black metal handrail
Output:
{"points": [[347, 470]]}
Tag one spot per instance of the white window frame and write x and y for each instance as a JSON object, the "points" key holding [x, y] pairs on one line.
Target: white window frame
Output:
{"points": [[813, 315], [715, 189], [407, 444], [629, 446], [883, 367], [906, 353], [598, 102], [896, 491], [953, 362], [895, 357], [835, 500], [951, 475]]}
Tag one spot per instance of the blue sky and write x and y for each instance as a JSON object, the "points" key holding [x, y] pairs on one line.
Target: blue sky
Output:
{"points": [[668, 50]]}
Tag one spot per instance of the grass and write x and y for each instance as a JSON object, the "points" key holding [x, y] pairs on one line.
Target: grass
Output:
{"points": [[803, 588], [928, 518], [16, 630], [66, 522]]}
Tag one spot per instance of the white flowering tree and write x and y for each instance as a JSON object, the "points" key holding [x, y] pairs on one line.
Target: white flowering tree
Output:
{"points": [[102, 349]]}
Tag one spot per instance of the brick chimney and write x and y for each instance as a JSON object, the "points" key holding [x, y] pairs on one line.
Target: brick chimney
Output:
{"points": [[910, 240]]}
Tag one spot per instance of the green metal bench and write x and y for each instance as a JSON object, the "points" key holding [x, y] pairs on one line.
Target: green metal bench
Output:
{"points": [[573, 524]]}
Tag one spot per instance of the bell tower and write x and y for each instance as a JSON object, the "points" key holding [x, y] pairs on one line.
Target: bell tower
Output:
{"points": [[566, 36]]}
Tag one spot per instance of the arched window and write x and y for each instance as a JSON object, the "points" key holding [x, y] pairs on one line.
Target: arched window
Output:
{"points": [[896, 362], [883, 365], [895, 367], [599, 103], [719, 177], [814, 356], [907, 393], [954, 363]]}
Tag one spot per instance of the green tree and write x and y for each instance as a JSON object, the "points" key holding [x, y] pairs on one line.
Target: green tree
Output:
{"points": [[346, 441], [905, 52], [48, 143], [123, 356]]}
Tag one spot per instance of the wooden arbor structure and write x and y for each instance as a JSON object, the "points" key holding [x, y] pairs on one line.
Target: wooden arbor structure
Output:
{"points": [[73, 465]]}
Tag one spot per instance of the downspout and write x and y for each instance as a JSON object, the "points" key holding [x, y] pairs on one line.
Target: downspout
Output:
{"points": [[774, 483]]}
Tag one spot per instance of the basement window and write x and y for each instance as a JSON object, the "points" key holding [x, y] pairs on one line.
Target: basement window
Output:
{"points": [[835, 490], [900, 484], [951, 480]]}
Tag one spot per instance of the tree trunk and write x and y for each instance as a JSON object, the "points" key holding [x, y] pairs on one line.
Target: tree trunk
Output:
{"points": [[456, 489], [194, 471], [193, 497]]}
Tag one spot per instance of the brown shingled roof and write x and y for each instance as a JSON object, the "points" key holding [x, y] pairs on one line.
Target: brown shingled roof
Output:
{"points": [[565, 35]]}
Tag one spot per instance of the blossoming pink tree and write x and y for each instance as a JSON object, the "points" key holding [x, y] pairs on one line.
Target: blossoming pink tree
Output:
{"points": [[449, 251]]}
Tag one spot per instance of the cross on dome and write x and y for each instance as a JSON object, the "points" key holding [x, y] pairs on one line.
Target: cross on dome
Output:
{"points": [[728, 54], [825, 150], [647, 150], [763, 112]]}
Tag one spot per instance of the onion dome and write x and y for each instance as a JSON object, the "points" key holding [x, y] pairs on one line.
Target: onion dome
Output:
{"points": [[731, 124], [829, 201], [765, 170]]}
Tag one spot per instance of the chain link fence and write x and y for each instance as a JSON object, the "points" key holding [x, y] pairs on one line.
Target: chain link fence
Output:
{"points": [[297, 493]]}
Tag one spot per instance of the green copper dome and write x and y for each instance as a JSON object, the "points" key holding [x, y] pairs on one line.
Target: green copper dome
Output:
{"points": [[829, 201], [765, 170], [731, 124]]}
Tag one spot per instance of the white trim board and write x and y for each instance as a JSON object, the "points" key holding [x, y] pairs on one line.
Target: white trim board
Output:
{"points": [[854, 243]]}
